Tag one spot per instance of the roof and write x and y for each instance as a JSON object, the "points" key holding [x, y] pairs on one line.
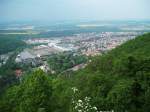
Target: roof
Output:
{"points": [[26, 55], [18, 73]]}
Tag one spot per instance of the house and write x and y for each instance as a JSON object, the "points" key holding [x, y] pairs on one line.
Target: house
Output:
{"points": [[18, 73]]}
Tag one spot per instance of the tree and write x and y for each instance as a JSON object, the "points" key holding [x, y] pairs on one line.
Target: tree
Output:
{"points": [[32, 95]]}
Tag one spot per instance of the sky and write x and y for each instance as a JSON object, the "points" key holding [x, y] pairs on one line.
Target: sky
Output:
{"points": [[58, 10]]}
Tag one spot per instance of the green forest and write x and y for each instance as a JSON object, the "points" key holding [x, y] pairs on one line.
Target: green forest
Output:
{"points": [[63, 61], [117, 81], [9, 43]]}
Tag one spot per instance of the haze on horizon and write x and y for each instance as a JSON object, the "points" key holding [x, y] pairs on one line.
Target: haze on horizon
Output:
{"points": [[57, 10]]}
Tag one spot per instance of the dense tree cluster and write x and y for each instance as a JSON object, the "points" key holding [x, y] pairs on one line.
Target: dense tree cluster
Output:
{"points": [[9, 43], [118, 80], [63, 61], [32, 95]]}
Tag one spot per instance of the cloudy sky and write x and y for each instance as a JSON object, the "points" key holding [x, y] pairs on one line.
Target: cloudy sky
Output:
{"points": [[56, 10]]}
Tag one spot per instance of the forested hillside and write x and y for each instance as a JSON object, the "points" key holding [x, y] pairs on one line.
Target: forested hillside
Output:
{"points": [[118, 80], [9, 43]]}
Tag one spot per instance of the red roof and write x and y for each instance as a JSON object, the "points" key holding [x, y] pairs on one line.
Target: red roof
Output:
{"points": [[18, 73]]}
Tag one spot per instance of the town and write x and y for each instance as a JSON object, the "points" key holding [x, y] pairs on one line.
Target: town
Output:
{"points": [[89, 44], [86, 44]]}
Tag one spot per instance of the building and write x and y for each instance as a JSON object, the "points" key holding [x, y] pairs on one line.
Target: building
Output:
{"points": [[24, 57], [18, 73]]}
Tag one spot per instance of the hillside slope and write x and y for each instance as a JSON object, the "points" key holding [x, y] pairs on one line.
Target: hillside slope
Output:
{"points": [[120, 79], [136, 48]]}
